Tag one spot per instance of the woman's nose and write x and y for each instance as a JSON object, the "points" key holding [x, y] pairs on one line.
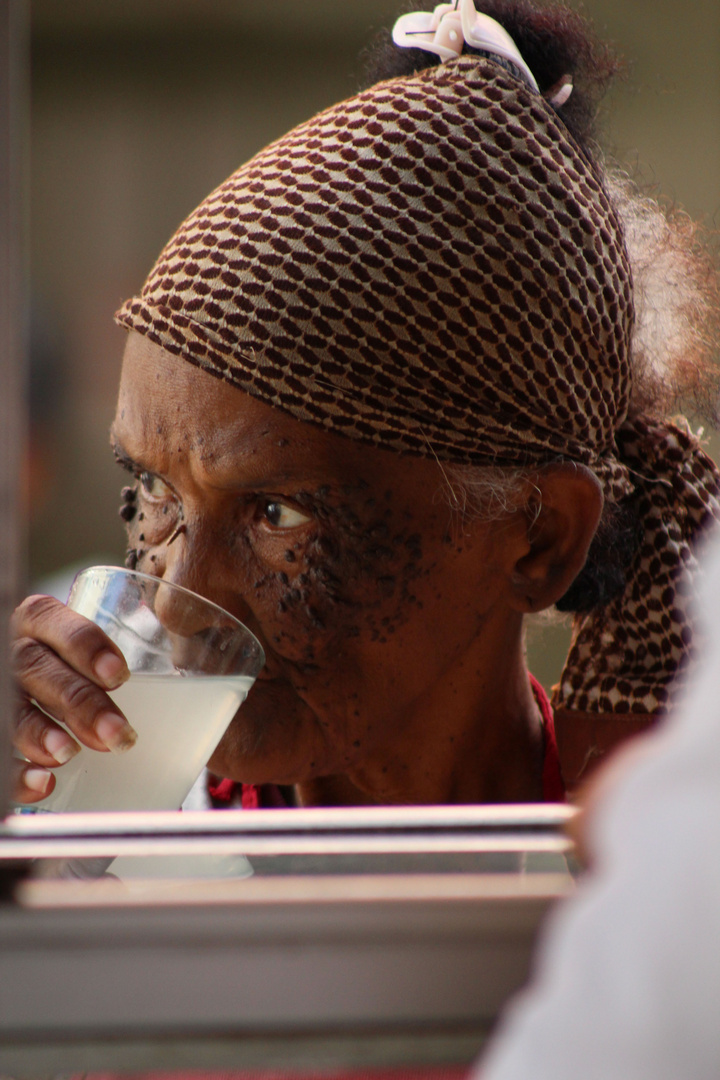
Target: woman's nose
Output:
{"points": [[203, 637], [181, 612], [192, 565]]}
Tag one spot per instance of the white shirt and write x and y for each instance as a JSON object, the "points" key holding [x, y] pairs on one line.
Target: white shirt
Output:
{"points": [[627, 983]]}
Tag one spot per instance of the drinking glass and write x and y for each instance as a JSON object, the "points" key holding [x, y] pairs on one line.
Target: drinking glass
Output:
{"points": [[191, 667]]}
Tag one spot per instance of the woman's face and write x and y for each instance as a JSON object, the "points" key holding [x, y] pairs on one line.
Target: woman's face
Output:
{"points": [[343, 559]]}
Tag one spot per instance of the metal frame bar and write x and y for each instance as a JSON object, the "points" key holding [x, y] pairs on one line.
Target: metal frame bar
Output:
{"points": [[290, 972], [291, 832], [305, 971], [407, 820]]}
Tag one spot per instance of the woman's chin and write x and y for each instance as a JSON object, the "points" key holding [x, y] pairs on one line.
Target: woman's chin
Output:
{"points": [[270, 740]]}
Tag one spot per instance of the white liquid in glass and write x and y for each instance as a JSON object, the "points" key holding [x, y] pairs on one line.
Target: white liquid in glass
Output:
{"points": [[179, 720]]}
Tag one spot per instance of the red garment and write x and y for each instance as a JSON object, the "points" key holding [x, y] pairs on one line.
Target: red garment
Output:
{"points": [[227, 793], [552, 781], [418, 1072]]}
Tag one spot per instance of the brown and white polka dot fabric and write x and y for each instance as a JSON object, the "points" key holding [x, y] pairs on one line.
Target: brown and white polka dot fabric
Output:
{"points": [[431, 266], [630, 656]]}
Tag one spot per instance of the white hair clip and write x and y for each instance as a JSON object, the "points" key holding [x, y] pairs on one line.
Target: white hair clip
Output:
{"points": [[558, 94], [445, 30]]}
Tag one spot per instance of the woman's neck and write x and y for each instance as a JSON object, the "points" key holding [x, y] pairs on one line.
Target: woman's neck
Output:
{"points": [[477, 738]]}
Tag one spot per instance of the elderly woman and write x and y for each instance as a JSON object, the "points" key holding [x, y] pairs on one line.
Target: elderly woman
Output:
{"points": [[381, 399]]}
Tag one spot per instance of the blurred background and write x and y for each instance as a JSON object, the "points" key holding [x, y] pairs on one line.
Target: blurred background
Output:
{"points": [[140, 107]]}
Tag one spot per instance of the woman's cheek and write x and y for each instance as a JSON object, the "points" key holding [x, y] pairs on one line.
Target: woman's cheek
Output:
{"points": [[292, 614], [143, 545], [298, 599], [147, 526], [135, 535], [331, 594]]}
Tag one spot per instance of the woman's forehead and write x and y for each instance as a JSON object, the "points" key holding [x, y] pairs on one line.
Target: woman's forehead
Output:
{"points": [[167, 406]]}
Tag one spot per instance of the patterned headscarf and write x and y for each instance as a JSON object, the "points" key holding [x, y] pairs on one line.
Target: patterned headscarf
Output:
{"points": [[434, 267]]}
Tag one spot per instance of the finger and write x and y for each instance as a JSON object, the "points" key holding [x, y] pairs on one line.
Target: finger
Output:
{"points": [[31, 783], [89, 713], [82, 644], [40, 739]]}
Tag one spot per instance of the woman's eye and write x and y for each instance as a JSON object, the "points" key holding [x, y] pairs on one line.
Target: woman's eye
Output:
{"points": [[153, 487], [281, 516]]}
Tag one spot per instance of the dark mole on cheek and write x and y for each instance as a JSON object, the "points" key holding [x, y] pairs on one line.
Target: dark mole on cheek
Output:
{"points": [[324, 575], [348, 518], [413, 545], [127, 511], [351, 489], [325, 546], [283, 578], [315, 618], [289, 556]]}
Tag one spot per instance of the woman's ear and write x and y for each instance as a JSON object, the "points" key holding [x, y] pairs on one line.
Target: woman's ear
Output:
{"points": [[562, 512]]}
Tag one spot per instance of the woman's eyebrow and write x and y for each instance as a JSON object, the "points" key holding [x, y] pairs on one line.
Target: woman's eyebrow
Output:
{"points": [[123, 458], [261, 481]]}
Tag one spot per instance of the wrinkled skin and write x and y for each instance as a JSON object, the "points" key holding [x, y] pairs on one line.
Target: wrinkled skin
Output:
{"points": [[393, 632]]}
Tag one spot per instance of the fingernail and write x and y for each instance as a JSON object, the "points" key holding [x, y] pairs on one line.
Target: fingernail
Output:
{"points": [[110, 669], [37, 780], [60, 746], [115, 733]]}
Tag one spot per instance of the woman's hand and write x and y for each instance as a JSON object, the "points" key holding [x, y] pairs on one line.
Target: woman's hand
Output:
{"points": [[64, 664]]}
